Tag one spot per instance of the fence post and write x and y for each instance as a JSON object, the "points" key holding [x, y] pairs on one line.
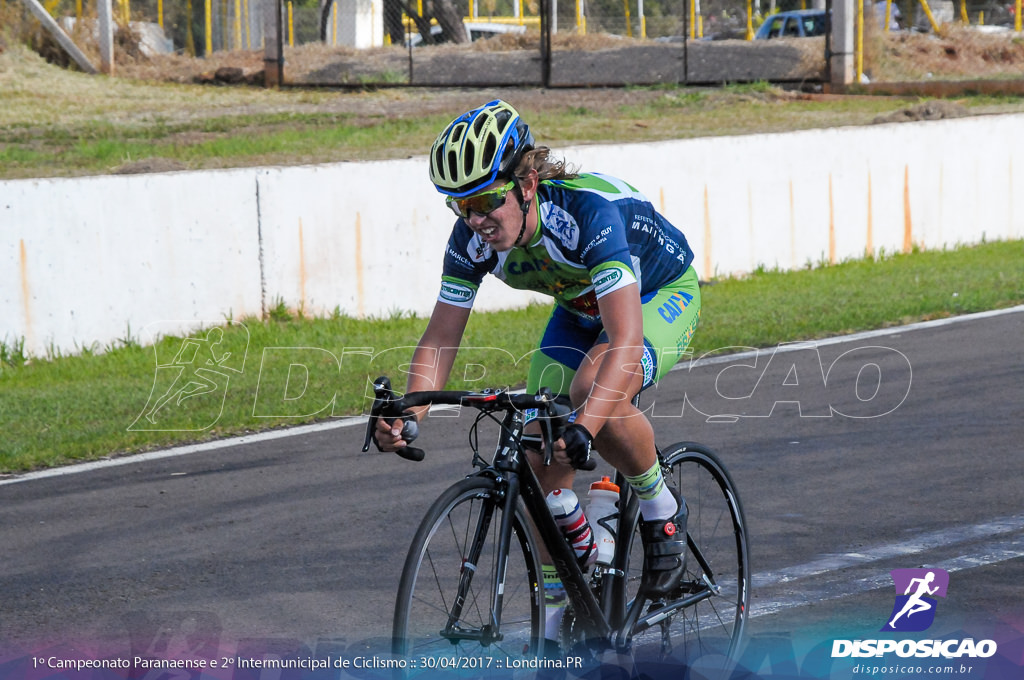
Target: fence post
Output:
{"points": [[273, 49], [208, 23], [686, 41], [546, 20], [841, 55], [105, 19]]}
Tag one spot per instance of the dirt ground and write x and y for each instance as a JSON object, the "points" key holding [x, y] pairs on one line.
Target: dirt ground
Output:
{"points": [[592, 62], [596, 61]]}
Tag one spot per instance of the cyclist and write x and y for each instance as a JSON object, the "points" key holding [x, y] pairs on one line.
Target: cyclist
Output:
{"points": [[627, 303]]}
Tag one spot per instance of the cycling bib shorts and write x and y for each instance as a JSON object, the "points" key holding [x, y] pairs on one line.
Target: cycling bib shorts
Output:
{"points": [[670, 316]]}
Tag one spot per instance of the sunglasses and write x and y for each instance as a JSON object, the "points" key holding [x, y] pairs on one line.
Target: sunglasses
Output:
{"points": [[481, 204]]}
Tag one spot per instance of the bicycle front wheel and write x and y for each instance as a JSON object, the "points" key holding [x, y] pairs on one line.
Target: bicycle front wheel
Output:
{"points": [[452, 601], [709, 631]]}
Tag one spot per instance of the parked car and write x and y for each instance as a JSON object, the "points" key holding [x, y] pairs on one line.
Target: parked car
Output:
{"points": [[476, 30], [801, 23]]}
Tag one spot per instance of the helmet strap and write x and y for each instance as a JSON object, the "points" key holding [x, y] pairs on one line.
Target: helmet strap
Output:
{"points": [[524, 206]]}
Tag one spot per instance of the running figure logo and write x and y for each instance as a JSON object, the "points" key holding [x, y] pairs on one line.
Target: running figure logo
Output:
{"points": [[189, 387], [916, 590]]}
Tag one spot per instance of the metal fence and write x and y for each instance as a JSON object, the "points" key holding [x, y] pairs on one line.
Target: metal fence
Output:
{"points": [[556, 43], [533, 42], [472, 42]]}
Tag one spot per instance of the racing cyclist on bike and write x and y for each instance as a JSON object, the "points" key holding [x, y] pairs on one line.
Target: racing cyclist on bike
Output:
{"points": [[627, 303]]}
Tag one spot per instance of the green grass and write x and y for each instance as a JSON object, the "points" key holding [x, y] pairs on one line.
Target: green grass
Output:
{"points": [[61, 409]]}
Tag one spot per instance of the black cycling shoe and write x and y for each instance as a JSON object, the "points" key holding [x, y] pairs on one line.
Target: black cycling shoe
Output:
{"points": [[551, 650], [664, 552]]}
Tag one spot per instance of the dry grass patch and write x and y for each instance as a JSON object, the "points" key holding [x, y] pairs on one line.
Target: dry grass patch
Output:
{"points": [[959, 53]]}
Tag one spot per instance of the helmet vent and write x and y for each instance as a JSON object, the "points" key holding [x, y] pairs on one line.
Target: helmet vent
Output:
{"points": [[453, 165], [490, 149], [510, 148], [439, 158], [467, 160]]}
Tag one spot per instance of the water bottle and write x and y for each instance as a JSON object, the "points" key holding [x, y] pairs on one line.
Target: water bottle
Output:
{"points": [[603, 509], [565, 508]]}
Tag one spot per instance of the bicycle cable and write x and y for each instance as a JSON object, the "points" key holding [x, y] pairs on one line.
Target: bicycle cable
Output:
{"points": [[474, 436]]}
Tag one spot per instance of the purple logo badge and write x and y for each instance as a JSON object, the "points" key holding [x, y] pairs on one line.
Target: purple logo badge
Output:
{"points": [[916, 590]]}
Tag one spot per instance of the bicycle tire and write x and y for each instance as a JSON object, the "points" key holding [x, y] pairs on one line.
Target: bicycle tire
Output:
{"points": [[709, 633], [435, 570]]}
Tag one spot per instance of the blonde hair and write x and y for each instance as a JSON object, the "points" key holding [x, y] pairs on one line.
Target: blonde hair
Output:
{"points": [[539, 159]]}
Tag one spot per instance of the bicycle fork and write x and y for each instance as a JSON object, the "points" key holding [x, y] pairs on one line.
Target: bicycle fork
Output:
{"points": [[491, 632]]}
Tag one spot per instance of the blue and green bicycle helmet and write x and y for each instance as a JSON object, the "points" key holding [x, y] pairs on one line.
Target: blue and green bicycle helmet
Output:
{"points": [[477, 148]]}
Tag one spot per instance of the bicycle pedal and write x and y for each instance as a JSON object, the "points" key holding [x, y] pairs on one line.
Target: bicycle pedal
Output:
{"points": [[686, 588]]}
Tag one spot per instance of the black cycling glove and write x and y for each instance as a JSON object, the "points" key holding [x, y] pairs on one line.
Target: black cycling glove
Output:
{"points": [[578, 441]]}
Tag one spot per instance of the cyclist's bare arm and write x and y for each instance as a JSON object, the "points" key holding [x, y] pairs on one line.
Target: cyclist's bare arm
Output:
{"points": [[432, 363], [617, 376]]}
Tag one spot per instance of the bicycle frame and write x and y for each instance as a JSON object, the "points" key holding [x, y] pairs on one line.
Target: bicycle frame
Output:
{"points": [[511, 468], [599, 618]]}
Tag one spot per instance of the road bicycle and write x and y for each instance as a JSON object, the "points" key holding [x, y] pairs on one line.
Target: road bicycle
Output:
{"points": [[471, 592]]}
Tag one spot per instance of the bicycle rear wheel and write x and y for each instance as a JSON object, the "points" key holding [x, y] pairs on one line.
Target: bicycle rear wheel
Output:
{"points": [[450, 583], [707, 633]]}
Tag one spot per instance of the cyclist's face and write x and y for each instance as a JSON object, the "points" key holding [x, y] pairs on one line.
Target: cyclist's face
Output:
{"points": [[500, 227]]}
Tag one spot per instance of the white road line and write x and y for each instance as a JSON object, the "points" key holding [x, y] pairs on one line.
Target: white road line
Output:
{"points": [[853, 337], [348, 422], [1006, 542], [912, 546], [1002, 550]]}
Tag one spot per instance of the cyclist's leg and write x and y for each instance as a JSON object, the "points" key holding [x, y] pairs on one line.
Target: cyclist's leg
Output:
{"points": [[670, 316], [553, 365], [627, 442], [561, 350], [627, 439]]}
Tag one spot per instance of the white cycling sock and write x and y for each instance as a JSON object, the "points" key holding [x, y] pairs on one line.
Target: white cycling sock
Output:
{"points": [[656, 501], [662, 506]]}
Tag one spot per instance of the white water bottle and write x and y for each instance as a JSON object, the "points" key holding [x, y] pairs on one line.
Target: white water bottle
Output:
{"points": [[565, 508], [604, 513]]}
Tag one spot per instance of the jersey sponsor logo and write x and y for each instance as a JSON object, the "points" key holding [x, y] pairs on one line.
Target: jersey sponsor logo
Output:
{"points": [[648, 364], [520, 268], [458, 258], [585, 305], [456, 292], [561, 224], [601, 238], [477, 250], [606, 280], [673, 309]]}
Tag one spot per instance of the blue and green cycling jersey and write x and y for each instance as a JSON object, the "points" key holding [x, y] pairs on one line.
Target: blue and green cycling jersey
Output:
{"points": [[596, 234]]}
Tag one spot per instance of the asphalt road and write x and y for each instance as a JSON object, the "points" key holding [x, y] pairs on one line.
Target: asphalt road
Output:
{"points": [[911, 453]]}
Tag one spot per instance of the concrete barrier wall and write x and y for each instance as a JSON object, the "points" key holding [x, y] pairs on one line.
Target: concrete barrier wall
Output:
{"points": [[87, 261]]}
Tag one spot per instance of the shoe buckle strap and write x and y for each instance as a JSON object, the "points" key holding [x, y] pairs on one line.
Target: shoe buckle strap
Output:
{"points": [[667, 548]]}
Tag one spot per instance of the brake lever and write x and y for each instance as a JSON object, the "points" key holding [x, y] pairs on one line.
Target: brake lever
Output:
{"points": [[383, 396], [384, 399], [546, 428]]}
